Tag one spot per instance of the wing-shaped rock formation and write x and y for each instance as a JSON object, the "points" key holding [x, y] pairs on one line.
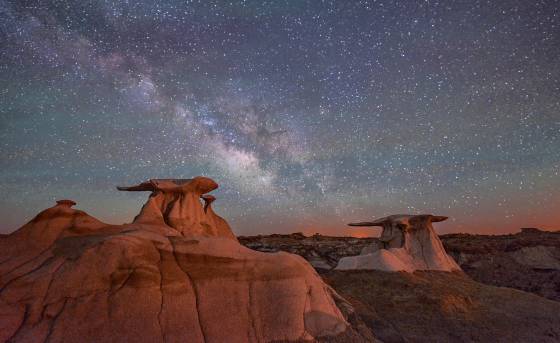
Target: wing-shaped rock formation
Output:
{"points": [[407, 243], [177, 204], [176, 273]]}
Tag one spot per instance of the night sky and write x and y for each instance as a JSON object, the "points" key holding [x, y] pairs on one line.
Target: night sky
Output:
{"points": [[309, 114]]}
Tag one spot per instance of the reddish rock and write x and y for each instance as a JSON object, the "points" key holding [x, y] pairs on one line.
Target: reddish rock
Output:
{"points": [[176, 273], [66, 203]]}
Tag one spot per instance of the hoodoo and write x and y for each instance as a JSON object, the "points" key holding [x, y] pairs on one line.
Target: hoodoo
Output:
{"points": [[407, 243], [176, 273], [176, 203]]}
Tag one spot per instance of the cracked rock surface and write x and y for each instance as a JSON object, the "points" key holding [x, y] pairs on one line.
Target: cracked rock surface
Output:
{"points": [[67, 277]]}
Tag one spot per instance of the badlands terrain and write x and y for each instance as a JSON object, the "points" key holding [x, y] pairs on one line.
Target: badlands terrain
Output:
{"points": [[499, 296], [528, 260], [178, 274]]}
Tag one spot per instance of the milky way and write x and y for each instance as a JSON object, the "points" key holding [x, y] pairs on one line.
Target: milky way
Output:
{"points": [[308, 114]]}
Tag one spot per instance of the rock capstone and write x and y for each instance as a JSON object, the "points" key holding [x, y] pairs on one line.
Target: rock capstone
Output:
{"points": [[407, 243]]}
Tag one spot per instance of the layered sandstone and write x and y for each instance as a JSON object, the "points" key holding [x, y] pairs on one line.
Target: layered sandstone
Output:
{"points": [[407, 243], [176, 273]]}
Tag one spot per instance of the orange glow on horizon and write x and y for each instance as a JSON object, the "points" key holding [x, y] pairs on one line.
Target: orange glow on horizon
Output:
{"points": [[364, 234], [338, 232]]}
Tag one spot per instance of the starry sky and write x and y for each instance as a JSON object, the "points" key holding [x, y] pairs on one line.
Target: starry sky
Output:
{"points": [[309, 114]]}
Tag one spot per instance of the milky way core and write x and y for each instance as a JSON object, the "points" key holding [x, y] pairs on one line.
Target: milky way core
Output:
{"points": [[309, 114]]}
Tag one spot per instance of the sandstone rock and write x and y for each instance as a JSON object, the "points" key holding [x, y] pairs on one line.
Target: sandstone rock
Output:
{"points": [[176, 203], [490, 259], [66, 203], [407, 243], [432, 306], [176, 273], [323, 252]]}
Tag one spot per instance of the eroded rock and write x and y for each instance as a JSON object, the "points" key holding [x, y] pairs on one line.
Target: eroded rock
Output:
{"points": [[407, 243], [176, 273], [177, 203]]}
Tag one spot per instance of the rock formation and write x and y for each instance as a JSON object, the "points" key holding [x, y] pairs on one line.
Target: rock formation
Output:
{"points": [[176, 273], [407, 243], [434, 306], [528, 260], [323, 252], [176, 203]]}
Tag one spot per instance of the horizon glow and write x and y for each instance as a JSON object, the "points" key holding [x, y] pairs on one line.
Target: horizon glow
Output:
{"points": [[308, 114]]}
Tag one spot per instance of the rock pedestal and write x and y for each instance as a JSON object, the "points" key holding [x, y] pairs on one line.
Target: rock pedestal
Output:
{"points": [[176, 203], [407, 243]]}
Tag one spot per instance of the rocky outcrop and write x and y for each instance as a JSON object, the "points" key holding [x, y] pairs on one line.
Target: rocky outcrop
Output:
{"points": [[432, 306], [525, 261], [323, 252], [407, 243], [175, 274], [529, 260]]}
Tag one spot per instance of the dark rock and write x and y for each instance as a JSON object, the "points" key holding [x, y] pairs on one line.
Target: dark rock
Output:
{"points": [[432, 306], [528, 260]]}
